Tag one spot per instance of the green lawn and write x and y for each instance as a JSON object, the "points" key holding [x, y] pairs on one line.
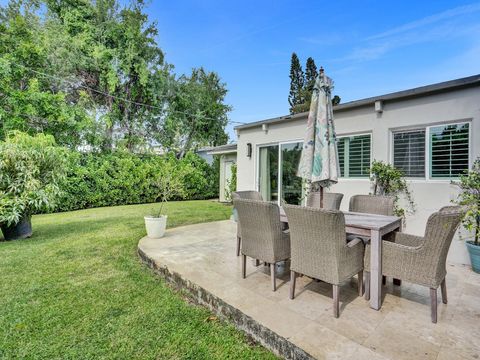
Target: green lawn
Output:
{"points": [[77, 289]]}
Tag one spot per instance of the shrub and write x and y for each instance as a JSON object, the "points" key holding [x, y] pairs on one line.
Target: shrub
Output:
{"points": [[121, 178], [469, 197], [388, 180], [31, 170]]}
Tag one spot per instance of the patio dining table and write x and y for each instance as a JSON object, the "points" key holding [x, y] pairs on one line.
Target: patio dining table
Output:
{"points": [[375, 227]]}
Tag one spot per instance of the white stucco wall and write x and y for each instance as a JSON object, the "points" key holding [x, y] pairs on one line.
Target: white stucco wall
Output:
{"points": [[429, 195]]}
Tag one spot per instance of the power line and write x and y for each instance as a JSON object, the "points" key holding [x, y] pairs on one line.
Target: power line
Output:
{"points": [[118, 97]]}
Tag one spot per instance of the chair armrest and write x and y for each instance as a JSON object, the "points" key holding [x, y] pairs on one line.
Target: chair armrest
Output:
{"points": [[354, 242], [407, 239], [393, 253]]}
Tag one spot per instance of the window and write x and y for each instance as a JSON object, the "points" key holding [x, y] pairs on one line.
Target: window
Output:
{"points": [[447, 153], [354, 155], [409, 152], [449, 147]]}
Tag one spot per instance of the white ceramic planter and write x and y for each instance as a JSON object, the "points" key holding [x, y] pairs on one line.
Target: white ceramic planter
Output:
{"points": [[155, 226]]}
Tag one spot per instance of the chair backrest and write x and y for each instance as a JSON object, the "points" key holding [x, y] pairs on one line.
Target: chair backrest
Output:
{"points": [[248, 194], [439, 232], [331, 201], [317, 240], [372, 204], [261, 229]]}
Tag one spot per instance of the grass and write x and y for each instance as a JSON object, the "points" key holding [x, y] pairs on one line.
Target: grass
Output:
{"points": [[77, 290]]}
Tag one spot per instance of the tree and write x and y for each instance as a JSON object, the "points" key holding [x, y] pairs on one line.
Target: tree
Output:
{"points": [[28, 101], [119, 57], [92, 74], [197, 115], [311, 74], [297, 80]]}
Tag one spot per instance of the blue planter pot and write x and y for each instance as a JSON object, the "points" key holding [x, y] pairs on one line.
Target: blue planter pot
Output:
{"points": [[474, 251]]}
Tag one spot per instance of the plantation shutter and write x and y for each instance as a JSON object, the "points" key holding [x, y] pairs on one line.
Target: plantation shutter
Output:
{"points": [[354, 156], [449, 147], [409, 152], [359, 156]]}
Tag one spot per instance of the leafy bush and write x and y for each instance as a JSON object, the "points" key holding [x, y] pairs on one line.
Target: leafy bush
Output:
{"points": [[31, 170], [121, 178], [470, 198], [388, 180]]}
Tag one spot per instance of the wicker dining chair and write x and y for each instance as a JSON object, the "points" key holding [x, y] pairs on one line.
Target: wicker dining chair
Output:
{"points": [[421, 259], [262, 236], [248, 194], [372, 204], [320, 250], [331, 201]]}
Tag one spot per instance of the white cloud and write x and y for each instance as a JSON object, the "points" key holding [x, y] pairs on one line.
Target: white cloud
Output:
{"points": [[446, 28], [445, 15]]}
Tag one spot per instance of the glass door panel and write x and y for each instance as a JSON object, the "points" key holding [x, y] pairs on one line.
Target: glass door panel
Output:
{"points": [[291, 184], [268, 172]]}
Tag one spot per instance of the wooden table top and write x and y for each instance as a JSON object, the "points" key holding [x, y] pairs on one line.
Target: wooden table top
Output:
{"points": [[361, 220]]}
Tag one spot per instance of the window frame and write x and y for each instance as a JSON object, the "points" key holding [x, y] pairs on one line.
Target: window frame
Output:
{"points": [[279, 172], [428, 147], [349, 135]]}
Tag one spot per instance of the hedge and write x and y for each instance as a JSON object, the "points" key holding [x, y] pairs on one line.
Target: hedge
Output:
{"points": [[121, 178]]}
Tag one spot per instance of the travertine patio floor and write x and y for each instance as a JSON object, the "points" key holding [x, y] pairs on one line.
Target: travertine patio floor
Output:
{"points": [[203, 256]]}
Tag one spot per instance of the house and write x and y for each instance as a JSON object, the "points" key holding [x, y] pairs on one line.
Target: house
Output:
{"points": [[228, 157], [431, 132]]}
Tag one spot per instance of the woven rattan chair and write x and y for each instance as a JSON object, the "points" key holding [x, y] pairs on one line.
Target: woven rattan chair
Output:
{"points": [[262, 235], [320, 249], [421, 259], [331, 201], [251, 195], [372, 204]]}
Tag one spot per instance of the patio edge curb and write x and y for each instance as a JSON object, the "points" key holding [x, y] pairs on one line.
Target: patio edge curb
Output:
{"points": [[260, 333]]}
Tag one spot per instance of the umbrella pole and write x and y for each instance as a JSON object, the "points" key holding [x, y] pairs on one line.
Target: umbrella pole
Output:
{"points": [[321, 197]]}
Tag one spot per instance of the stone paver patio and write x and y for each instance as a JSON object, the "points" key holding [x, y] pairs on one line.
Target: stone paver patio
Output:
{"points": [[201, 259]]}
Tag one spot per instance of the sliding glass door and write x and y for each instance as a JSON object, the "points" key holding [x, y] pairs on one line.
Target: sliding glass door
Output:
{"points": [[277, 173], [268, 172]]}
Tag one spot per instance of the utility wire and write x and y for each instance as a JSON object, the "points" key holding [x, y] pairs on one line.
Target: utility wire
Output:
{"points": [[118, 97]]}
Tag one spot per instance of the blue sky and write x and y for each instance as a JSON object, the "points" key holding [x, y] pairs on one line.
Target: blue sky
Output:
{"points": [[367, 47]]}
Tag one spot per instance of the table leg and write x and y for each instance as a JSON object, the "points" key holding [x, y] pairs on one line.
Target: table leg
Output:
{"points": [[375, 270], [398, 282]]}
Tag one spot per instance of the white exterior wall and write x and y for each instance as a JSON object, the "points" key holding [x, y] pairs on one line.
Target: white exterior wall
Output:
{"points": [[429, 195]]}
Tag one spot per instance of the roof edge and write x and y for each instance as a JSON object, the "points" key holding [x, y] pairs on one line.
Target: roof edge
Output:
{"points": [[466, 82]]}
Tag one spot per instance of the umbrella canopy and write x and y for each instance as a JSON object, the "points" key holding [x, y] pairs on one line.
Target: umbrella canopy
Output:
{"points": [[319, 160]]}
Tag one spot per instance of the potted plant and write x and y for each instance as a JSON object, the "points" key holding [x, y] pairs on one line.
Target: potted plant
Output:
{"points": [[469, 197], [388, 180], [168, 185], [31, 170]]}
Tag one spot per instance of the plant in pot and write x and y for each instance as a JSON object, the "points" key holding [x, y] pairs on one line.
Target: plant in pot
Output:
{"points": [[469, 197], [31, 171], [388, 180], [170, 184]]}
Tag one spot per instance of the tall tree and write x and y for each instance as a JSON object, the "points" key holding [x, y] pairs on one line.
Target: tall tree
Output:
{"points": [[118, 57], [30, 101], [311, 74], [297, 81], [197, 115], [91, 73]]}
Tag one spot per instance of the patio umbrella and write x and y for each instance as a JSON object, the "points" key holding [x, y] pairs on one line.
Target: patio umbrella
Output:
{"points": [[319, 160]]}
